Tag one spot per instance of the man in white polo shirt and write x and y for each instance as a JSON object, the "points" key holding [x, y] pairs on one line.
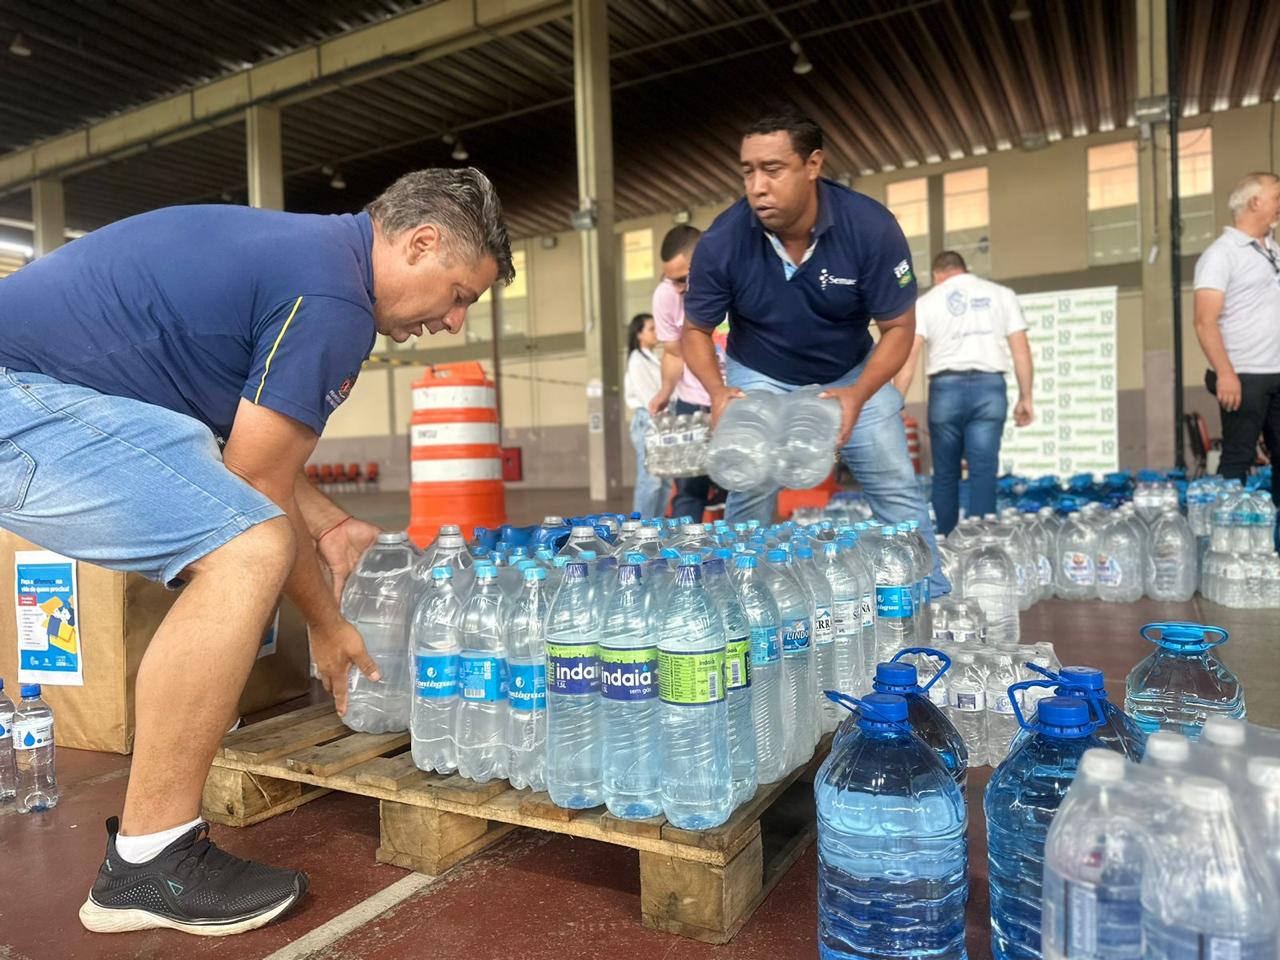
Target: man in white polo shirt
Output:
{"points": [[1238, 323], [972, 326]]}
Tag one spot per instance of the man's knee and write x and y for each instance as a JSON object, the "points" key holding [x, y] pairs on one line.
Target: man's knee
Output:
{"points": [[267, 549]]}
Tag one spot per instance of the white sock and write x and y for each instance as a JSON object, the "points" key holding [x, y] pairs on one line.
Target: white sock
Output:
{"points": [[148, 846]]}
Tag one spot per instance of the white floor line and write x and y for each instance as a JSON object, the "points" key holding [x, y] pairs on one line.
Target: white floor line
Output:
{"points": [[353, 919]]}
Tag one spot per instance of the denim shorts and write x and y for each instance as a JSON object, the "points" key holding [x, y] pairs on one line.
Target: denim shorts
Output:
{"points": [[114, 481]]}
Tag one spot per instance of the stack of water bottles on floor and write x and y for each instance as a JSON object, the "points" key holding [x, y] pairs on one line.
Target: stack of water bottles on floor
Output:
{"points": [[675, 444], [1131, 862]]}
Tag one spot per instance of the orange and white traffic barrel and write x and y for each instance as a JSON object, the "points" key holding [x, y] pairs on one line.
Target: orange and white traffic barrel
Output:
{"points": [[455, 461]]}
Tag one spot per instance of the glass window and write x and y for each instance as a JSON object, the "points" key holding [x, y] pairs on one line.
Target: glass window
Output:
{"points": [[1195, 188], [908, 200], [514, 299], [966, 217], [637, 255], [1113, 202]]}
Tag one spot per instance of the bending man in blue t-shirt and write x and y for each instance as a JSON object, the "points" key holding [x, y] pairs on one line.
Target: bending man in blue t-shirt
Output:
{"points": [[126, 359], [801, 265]]}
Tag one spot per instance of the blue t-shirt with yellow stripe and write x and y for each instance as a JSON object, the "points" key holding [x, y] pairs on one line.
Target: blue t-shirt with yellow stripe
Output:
{"points": [[192, 308]]}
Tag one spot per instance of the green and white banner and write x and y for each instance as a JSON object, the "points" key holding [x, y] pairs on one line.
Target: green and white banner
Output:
{"points": [[1073, 346]]}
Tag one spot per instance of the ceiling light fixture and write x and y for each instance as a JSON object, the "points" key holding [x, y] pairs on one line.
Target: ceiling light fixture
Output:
{"points": [[802, 64], [1020, 11], [18, 46], [338, 182], [459, 151], [448, 137]]}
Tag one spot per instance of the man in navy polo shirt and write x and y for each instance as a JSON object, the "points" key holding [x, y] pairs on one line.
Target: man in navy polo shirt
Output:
{"points": [[162, 383], [801, 265]]}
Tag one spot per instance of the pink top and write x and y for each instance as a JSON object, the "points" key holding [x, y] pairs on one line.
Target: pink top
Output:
{"points": [[668, 321]]}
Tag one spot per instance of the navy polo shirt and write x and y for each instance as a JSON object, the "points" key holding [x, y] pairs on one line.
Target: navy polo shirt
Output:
{"points": [[192, 308], [811, 327]]}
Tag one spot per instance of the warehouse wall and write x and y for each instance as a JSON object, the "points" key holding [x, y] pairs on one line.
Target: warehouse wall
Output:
{"points": [[1039, 241]]}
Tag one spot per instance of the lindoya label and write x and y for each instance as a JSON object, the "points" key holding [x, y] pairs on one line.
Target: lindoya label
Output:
{"points": [[868, 611], [795, 635], [528, 686], [691, 679], [845, 618], [894, 603], [968, 701], [765, 645], [482, 678], [572, 669], [822, 631], [629, 675], [1078, 568], [31, 734], [435, 675], [737, 663]]}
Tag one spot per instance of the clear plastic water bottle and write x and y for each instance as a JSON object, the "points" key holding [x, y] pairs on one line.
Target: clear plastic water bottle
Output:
{"points": [[1075, 577], [928, 721], [768, 709], [1117, 731], [1001, 723], [525, 641], [575, 761], [1183, 682], [1171, 566], [990, 579], [967, 704], [846, 620], [483, 681], [697, 780], [805, 445], [740, 453], [737, 676], [1021, 799], [1094, 857], [8, 770], [436, 634], [33, 747], [631, 712], [583, 537], [863, 571], [449, 549], [1118, 562], [799, 680], [824, 649], [892, 853], [378, 601], [895, 616]]}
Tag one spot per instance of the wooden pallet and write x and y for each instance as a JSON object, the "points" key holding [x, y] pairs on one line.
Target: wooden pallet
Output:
{"points": [[699, 884]]}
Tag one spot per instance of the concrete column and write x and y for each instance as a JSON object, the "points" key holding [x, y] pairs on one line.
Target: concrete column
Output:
{"points": [[594, 123], [937, 223], [49, 213], [264, 158], [1153, 211]]}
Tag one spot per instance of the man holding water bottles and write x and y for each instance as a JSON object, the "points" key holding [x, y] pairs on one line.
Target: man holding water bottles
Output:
{"points": [[801, 265]]}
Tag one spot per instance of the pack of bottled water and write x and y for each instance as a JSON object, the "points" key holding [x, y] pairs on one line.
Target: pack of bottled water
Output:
{"points": [[1240, 567], [676, 444], [780, 440]]}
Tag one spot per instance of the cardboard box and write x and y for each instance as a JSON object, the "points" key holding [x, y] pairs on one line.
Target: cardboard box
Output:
{"points": [[117, 614]]}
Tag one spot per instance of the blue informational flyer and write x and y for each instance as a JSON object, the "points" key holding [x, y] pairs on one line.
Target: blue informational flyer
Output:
{"points": [[49, 649]]}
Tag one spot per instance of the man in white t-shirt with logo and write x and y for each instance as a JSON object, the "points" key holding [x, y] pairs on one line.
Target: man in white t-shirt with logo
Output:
{"points": [[975, 331], [1238, 324]]}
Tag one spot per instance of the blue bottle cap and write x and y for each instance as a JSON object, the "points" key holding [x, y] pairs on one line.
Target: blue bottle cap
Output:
{"points": [[1090, 677], [525, 564], [724, 553], [29, 690], [635, 557], [1, 684], [804, 553], [441, 573], [884, 708], [776, 556], [561, 561], [1065, 713], [534, 572], [545, 553], [899, 674], [587, 555], [486, 571], [746, 561], [690, 560], [670, 553]]}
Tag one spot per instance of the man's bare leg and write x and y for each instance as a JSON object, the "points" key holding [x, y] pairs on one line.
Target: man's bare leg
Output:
{"points": [[194, 670]]}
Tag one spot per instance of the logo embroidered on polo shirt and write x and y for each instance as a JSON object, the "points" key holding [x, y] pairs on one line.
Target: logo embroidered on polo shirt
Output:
{"points": [[825, 279], [903, 272], [956, 303], [335, 397]]}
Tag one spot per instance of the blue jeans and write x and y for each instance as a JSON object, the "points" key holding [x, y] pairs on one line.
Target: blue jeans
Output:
{"points": [[876, 453], [966, 418], [114, 481], [650, 495], [692, 493]]}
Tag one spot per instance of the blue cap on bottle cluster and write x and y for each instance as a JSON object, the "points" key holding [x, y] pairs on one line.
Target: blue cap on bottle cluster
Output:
{"points": [[899, 675], [746, 561], [776, 556], [635, 557], [883, 708], [534, 572], [443, 572], [1068, 715], [690, 560], [29, 690]]}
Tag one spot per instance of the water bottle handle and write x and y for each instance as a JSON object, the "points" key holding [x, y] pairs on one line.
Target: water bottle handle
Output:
{"points": [[929, 652], [1167, 627], [1014, 689], [1046, 672], [853, 704]]}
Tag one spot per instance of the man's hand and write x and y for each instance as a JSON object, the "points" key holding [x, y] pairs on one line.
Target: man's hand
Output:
{"points": [[335, 647], [1023, 414], [721, 398], [1228, 390], [850, 407], [659, 402], [342, 547]]}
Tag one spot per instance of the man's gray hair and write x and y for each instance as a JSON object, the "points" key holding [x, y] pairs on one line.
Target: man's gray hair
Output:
{"points": [[1247, 189], [461, 202]]}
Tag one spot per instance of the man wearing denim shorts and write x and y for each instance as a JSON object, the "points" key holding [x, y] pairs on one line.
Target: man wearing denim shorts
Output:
{"points": [[801, 265], [163, 381]]}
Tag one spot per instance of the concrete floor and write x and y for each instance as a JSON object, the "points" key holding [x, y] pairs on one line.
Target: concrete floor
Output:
{"points": [[533, 896]]}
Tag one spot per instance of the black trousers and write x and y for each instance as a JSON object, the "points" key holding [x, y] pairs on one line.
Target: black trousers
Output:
{"points": [[1259, 415], [691, 492]]}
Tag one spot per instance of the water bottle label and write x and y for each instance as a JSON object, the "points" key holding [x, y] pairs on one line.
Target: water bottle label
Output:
{"points": [[691, 679], [822, 627], [1000, 703], [1108, 571], [937, 693], [845, 618], [894, 603], [765, 646], [964, 636], [868, 611], [528, 687], [629, 675], [483, 678], [1078, 568], [795, 636], [968, 701], [572, 669], [943, 635], [737, 664], [1046, 570], [1231, 948], [32, 734], [436, 675], [1079, 923], [4, 732], [670, 439]]}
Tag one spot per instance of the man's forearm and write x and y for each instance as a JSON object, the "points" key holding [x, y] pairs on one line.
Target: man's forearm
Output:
{"points": [[1023, 369], [672, 368], [699, 352], [306, 585], [886, 359], [318, 511], [1210, 337]]}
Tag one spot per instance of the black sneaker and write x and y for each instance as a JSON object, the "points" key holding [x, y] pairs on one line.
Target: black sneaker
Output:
{"points": [[190, 886]]}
